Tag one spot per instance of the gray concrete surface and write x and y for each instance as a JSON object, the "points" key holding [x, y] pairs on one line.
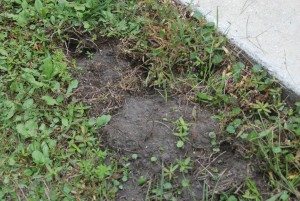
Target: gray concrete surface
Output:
{"points": [[267, 30]]}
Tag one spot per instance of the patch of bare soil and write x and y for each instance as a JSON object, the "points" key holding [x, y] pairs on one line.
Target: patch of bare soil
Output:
{"points": [[145, 126], [143, 123], [104, 79]]}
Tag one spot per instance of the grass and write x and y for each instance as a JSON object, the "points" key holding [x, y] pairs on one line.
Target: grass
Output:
{"points": [[49, 150]]}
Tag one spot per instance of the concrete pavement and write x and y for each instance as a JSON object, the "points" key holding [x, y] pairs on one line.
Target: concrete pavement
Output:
{"points": [[267, 30]]}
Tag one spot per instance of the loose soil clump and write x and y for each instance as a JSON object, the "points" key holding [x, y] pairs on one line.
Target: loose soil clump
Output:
{"points": [[143, 123]]}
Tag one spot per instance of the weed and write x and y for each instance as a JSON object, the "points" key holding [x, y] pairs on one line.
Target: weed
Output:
{"points": [[89, 55], [134, 156], [184, 165], [185, 183], [142, 180], [49, 150], [153, 159], [49, 143], [252, 191], [213, 141], [170, 171], [181, 132]]}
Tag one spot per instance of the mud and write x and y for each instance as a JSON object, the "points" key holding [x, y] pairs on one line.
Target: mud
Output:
{"points": [[143, 123]]}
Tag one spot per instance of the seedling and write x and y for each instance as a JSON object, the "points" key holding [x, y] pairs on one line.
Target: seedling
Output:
{"points": [[181, 132], [184, 165], [142, 180], [89, 55], [134, 156], [262, 108], [153, 159], [233, 126], [170, 172], [213, 141], [185, 183]]}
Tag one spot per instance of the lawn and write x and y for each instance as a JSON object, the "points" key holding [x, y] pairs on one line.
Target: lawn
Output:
{"points": [[137, 100]]}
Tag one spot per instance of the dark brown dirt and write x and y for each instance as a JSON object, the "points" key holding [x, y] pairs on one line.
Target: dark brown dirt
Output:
{"points": [[143, 123], [104, 79], [145, 126]]}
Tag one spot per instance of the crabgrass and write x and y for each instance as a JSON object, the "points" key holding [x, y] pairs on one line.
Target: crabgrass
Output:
{"points": [[49, 150]]}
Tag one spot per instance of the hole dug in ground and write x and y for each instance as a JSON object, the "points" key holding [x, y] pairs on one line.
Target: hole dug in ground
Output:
{"points": [[143, 124]]}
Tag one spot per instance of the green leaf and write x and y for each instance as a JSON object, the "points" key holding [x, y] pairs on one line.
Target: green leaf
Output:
{"points": [[21, 129], [153, 159], [52, 19], [60, 98], [64, 121], [30, 78], [72, 85], [180, 144], [235, 111], [213, 142], [3, 68], [38, 5], [39, 158], [232, 198], [185, 183], [204, 97], [86, 25], [212, 135], [103, 120], [134, 156], [168, 186], [217, 59], [79, 7], [209, 50], [22, 19], [24, 4], [297, 131], [230, 129], [48, 68], [285, 196], [142, 180], [67, 188], [30, 71], [198, 15], [29, 129], [276, 150], [11, 161], [124, 178], [49, 100], [237, 68], [45, 149], [274, 197], [193, 55], [9, 109], [27, 172], [162, 33], [28, 103], [103, 171], [236, 123], [3, 52], [265, 132], [256, 68], [92, 122]]}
